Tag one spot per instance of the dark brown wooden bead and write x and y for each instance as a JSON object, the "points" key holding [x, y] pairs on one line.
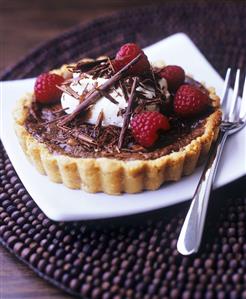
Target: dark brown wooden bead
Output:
{"points": [[10, 209], [17, 186], [58, 274], [3, 215], [6, 203], [21, 192], [65, 278], [3, 229], [41, 264], [25, 253], [85, 289], [49, 270], [16, 214], [18, 247], [74, 284], [34, 258], [13, 179], [12, 240]]}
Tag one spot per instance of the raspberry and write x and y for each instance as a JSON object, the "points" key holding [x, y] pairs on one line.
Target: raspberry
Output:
{"points": [[126, 54], [118, 64], [145, 127], [190, 101], [45, 88], [174, 75]]}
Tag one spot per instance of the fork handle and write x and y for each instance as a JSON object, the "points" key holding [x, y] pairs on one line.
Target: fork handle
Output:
{"points": [[192, 229]]}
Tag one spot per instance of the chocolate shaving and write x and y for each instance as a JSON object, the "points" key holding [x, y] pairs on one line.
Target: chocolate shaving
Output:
{"points": [[108, 96], [78, 135], [69, 91], [104, 69], [85, 65], [84, 137], [60, 110], [121, 112], [109, 138], [111, 64], [98, 69], [148, 88], [99, 119], [117, 92], [95, 95], [85, 91], [97, 128], [128, 113], [54, 120], [135, 149], [122, 86]]}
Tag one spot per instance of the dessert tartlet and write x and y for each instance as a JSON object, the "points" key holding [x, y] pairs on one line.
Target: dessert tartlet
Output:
{"points": [[117, 125]]}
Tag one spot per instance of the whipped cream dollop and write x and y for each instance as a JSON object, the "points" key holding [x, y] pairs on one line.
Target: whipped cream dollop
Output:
{"points": [[110, 110]]}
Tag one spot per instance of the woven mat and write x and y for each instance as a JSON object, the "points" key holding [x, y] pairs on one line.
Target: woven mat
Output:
{"points": [[134, 257]]}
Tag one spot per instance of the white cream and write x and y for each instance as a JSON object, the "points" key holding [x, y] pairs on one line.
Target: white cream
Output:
{"points": [[109, 109]]}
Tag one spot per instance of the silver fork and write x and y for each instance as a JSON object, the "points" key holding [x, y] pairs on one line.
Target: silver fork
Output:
{"points": [[233, 120]]}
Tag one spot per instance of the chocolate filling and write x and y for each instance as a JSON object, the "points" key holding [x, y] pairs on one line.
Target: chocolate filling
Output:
{"points": [[79, 139], [72, 135]]}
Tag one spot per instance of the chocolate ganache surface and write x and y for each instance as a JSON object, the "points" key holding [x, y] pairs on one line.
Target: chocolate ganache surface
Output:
{"points": [[81, 140], [74, 135]]}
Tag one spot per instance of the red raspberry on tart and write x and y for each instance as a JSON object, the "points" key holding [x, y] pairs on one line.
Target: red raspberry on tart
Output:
{"points": [[190, 101], [147, 125], [174, 75], [122, 129], [128, 52], [45, 88]]}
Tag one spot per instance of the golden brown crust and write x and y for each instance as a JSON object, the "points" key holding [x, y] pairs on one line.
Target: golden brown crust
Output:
{"points": [[110, 175]]}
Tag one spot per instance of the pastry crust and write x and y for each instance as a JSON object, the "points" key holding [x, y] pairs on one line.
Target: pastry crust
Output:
{"points": [[114, 176]]}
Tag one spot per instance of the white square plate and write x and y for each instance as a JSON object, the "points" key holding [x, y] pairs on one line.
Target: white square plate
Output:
{"points": [[62, 204]]}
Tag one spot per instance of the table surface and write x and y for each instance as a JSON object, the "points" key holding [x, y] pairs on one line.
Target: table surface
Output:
{"points": [[39, 21], [42, 20]]}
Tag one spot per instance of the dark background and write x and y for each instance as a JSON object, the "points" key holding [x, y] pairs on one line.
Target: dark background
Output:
{"points": [[26, 24]]}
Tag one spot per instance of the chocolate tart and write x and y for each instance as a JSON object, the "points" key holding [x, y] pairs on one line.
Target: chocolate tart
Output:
{"points": [[113, 171]]}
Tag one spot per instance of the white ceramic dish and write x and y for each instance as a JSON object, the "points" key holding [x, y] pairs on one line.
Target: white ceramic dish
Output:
{"points": [[62, 204]]}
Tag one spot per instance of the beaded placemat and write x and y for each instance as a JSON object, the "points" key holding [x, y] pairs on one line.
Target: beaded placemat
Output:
{"points": [[135, 257]]}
